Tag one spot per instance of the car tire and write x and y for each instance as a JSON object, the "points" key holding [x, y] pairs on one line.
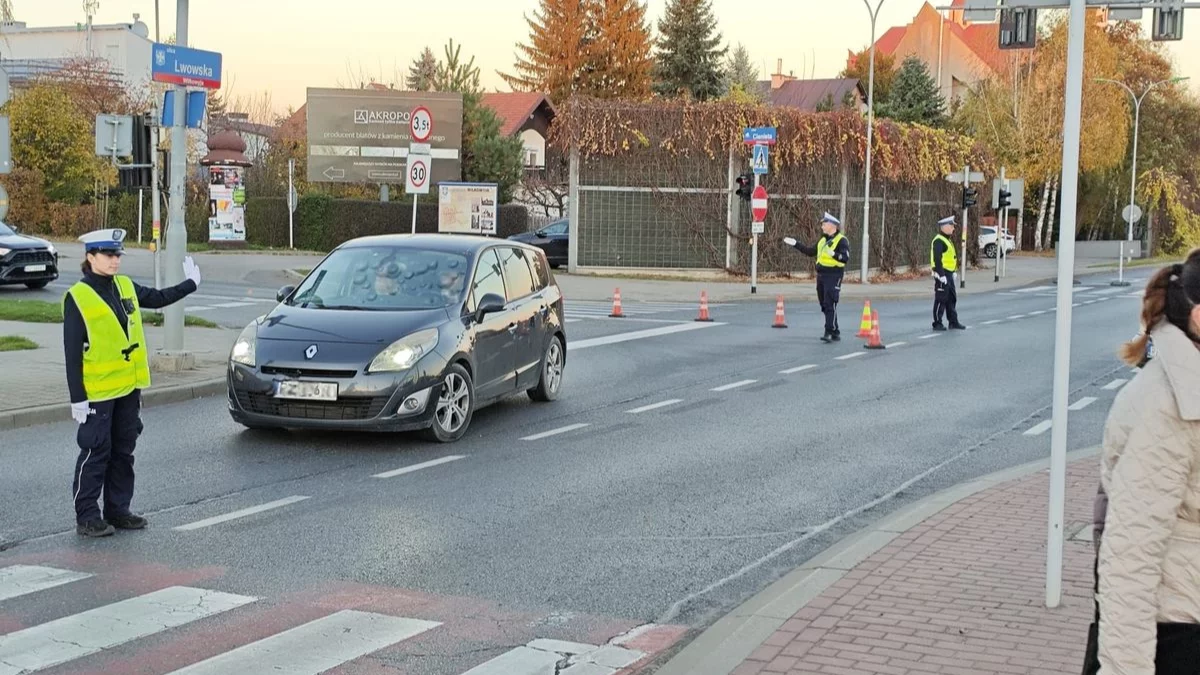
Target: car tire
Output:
{"points": [[454, 407], [989, 251], [36, 285], [550, 372]]}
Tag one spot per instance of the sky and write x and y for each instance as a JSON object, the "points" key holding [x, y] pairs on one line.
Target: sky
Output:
{"points": [[280, 47]]}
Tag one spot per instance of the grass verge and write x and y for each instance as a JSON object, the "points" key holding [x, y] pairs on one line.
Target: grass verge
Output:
{"points": [[1160, 261], [12, 343], [151, 318], [40, 311]]}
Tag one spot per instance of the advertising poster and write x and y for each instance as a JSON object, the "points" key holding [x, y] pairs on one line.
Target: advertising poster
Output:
{"points": [[226, 204], [468, 208]]}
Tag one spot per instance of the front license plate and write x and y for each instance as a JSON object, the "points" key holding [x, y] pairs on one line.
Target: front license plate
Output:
{"points": [[313, 391], [35, 268]]}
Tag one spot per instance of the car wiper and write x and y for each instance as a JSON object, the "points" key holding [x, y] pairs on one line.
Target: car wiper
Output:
{"points": [[313, 291], [355, 308]]}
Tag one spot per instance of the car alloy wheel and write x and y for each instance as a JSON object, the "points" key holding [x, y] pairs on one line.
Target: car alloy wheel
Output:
{"points": [[554, 366], [454, 404]]}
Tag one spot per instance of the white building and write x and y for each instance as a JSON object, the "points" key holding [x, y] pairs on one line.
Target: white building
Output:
{"points": [[26, 52]]}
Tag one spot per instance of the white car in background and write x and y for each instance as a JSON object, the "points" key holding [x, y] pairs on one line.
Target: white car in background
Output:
{"points": [[987, 242]]}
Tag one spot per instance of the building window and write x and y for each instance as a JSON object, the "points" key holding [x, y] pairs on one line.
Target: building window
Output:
{"points": [[531, 157]]}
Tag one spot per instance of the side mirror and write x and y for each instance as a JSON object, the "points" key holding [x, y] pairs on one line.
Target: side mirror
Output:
{"points": [[284, 292], [489, 304]]}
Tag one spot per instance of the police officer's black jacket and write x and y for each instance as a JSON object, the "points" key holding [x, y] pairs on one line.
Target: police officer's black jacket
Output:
{"points": [[75, 331]]}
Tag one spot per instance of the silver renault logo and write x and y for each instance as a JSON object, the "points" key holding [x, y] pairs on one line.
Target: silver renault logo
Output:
{"points": [[310, 352]]}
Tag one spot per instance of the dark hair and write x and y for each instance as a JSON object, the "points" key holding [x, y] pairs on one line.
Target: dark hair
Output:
{"points": [[85, 265], [1170, 295]]}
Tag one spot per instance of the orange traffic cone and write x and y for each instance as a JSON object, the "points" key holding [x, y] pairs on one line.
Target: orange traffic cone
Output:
{"points": [[874, 342], [704, 307], [779, 322], [616, 310], [864, 327]]}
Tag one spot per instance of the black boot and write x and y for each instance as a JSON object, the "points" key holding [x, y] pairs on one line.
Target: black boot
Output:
{"points": [[957, 326], [127, 521], [827, 337], [938, 326], [94, 528]]}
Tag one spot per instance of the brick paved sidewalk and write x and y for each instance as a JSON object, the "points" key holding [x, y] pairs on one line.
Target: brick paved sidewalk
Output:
{"points": [[962, 592]]}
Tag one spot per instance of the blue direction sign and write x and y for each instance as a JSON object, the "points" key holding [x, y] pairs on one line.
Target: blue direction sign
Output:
{"points": [[754, 135], [185, 66], [759, 161]]}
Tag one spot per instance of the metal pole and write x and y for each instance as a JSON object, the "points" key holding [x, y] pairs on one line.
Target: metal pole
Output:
{"points": [[962, 268], [141, 198], [941, 33], [414, 223], [1001, 225], [754, 252], [731, 212], [291, 205], [383, 192], [866, 229], [156, 204], [177, 213], [1062, 330]]}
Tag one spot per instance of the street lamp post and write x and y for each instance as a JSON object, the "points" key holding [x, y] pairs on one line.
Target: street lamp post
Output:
{"points": [[1137, 119], [866, 231]]}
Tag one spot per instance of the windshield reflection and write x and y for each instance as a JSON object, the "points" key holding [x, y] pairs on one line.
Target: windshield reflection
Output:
{"points": [[384, 278]]}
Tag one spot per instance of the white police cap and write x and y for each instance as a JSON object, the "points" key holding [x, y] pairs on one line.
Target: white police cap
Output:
{"points": [[948, 220], [104, 240], [830, 219]]}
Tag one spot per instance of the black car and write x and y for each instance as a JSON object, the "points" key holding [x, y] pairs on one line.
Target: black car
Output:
{"points": [[400, 333], [26, 260], [554, 239]]}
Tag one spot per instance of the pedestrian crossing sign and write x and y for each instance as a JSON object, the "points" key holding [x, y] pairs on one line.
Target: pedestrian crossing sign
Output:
{"points": [[759, 159]]}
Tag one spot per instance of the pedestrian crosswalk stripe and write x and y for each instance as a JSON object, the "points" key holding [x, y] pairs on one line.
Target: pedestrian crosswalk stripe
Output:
{"points": [[17, 580], [315, 647], [520, 661], [95, 630], [546, 657]]}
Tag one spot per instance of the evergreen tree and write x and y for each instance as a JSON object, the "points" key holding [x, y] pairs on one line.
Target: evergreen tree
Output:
{"points": [[689, 53], [618, 60], [423, 72], [740, 71], [914, 96], [555, 60]]}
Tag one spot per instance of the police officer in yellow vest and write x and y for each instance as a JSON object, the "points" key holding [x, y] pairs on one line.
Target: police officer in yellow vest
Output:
{"points": [[107, 367], [832, 252], [943, 261]]}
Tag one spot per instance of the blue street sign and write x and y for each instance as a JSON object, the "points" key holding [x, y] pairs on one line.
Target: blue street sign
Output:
{"points": [[759, 163], [752, 135], [185, 66]]}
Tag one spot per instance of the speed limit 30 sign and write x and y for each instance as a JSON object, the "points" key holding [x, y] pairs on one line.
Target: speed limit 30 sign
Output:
{"points": [[417, 176]]}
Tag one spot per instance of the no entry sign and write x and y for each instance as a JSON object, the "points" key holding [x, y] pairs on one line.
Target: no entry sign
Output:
{"points": [[758, 204]]}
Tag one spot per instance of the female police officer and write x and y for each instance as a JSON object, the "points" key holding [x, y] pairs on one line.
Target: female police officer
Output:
{"points": [[107, 367]]}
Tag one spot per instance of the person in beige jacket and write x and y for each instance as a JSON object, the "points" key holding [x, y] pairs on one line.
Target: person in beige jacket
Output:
{"points": [[1149, 553]]}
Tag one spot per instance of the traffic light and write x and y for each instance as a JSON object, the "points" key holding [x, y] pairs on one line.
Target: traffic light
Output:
{"points": [[1168, 24], [142, 153], [1018, 28], [1004, 201], [745, 186], [969, 196]]}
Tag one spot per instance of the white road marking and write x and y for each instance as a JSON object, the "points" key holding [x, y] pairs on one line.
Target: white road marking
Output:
{"points": [[895, 344], [847, 357], [734, 385], [1014, 317], [1034, 289], [1039, 428], [231, 305], [555, 432], [637, 335], [1082, 403], [993, 322], [417, 467], [930, 336], [197, 308], [95, 630], [217, 520], [1038, 312], [571, 320], [315, 647], [1115, 384], [519, 661], [798, 369], [655, 406], [17, 580]]}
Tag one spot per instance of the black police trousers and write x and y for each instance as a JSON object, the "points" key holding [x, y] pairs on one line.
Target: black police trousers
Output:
{"points": [[945, 300], [105, 464], [829, 291]]}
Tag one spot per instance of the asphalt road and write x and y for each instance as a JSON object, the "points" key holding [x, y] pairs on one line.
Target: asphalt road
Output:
{"points": [[685, 467]]}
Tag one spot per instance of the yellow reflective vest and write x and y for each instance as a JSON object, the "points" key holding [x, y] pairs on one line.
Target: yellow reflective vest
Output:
{"points": [[114, 364], [825, 248], [949, 258]]}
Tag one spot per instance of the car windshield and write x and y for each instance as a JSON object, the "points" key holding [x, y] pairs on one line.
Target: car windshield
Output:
{"points": [[384, 278], [5, 230]]}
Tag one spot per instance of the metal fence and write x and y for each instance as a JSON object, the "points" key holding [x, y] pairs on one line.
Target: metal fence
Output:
{"points": [[646, 209]]}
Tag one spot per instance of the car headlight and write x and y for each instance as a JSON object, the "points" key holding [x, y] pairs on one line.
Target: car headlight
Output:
{"points": [[243, 349], [50, 247], [405, 352], [5, 251]]}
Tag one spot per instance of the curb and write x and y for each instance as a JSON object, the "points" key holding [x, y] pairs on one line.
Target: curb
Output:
{"points": [[733, 638], [155, 396]]}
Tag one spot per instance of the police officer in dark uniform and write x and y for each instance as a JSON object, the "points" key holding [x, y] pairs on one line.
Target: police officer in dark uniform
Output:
{"points": [[107, 367], [943, 261], [832, 252]]}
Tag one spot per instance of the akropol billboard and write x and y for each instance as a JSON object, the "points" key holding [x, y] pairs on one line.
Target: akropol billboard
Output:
{"points": [[363, 135], [467, 208]]}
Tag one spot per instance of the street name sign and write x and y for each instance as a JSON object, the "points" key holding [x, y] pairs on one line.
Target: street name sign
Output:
{"points": [[957, 177], [185, 66], [755, 135]]}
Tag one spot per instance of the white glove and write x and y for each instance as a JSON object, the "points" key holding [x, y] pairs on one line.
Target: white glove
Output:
{"points": [[789, 241], [943, 280], [79, 411], [190, 270]]}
